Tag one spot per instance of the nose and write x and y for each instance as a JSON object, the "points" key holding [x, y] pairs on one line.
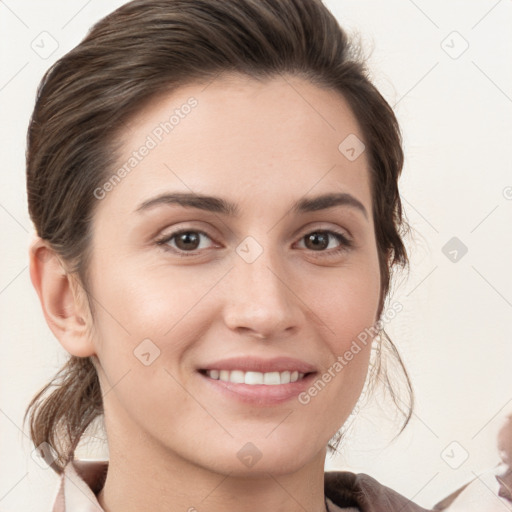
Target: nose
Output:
{"points": [[261, 302]]}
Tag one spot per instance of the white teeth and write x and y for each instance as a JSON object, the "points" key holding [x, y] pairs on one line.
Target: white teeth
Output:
{"points": [[271, 378], [237, 376], [253, 378]]}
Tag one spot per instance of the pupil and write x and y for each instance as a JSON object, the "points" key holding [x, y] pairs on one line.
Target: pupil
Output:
{"points": [[187, 238], [314, 238]]}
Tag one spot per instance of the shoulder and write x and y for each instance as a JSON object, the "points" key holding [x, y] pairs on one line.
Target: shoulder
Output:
{"points": [[347, 489]]}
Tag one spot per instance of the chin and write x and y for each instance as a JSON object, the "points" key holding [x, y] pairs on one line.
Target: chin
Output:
{"points": [[259, 457]]}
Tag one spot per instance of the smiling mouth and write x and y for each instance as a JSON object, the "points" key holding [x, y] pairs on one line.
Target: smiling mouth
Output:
{"points": [[255, 378]]}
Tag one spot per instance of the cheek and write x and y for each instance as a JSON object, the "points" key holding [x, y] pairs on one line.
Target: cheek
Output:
{"points": [[347, 304], [147, 324], [347, 312], [148, 301]]}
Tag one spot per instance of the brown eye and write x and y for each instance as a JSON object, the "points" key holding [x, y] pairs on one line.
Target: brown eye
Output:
{"points": [[188, 240], [318, 241], [183, 241]]}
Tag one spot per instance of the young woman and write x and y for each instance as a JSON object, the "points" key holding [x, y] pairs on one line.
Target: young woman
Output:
{"points": [[214, 189]]}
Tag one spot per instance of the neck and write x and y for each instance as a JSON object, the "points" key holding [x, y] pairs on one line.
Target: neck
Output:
{"points": [[149, 477]]}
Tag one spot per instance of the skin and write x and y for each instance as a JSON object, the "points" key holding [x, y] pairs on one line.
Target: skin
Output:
{"points": [[173, 441]]}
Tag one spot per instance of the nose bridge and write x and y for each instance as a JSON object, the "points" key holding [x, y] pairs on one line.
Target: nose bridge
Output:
{"points": [[260, 299]]}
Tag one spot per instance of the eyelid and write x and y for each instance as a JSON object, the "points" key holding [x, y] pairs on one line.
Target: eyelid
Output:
{"points": [[319, 225]]}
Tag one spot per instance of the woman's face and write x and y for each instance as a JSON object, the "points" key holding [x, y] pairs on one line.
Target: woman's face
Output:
{"points": [[258, 287]]}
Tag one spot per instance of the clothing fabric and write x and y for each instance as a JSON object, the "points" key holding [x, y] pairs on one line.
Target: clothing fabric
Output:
{"points": [[82, 480]]}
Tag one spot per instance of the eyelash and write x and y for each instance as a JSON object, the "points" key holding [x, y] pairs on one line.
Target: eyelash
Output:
{"points": [[345, 243]]}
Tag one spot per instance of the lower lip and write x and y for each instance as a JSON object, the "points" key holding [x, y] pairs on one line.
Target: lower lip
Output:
{"points": [[260, 394]]}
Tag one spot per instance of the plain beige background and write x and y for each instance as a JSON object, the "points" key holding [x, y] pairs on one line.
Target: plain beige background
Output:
{"points": [[446, 68]]}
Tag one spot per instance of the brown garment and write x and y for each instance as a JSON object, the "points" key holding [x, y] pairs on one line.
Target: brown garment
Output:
{"points": [[366, 494]]}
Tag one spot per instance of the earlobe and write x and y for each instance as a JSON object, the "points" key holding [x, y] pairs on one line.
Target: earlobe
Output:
{"points": [[61, 298]]}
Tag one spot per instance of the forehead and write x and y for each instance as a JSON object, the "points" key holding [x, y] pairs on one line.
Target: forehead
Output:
{"points": [[276, 137]]}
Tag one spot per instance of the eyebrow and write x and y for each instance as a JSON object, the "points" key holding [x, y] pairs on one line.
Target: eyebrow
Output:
{"points": [[225, 207]]}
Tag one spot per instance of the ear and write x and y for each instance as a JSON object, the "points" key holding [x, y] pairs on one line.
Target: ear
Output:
{"points": [[62, 300]]}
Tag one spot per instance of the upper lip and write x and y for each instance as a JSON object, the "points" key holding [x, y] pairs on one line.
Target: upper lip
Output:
{"points": [[256, 364]]}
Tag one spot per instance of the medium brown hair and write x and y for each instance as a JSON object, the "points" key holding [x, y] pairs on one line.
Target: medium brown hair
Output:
{"points": [[150, 47]]}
